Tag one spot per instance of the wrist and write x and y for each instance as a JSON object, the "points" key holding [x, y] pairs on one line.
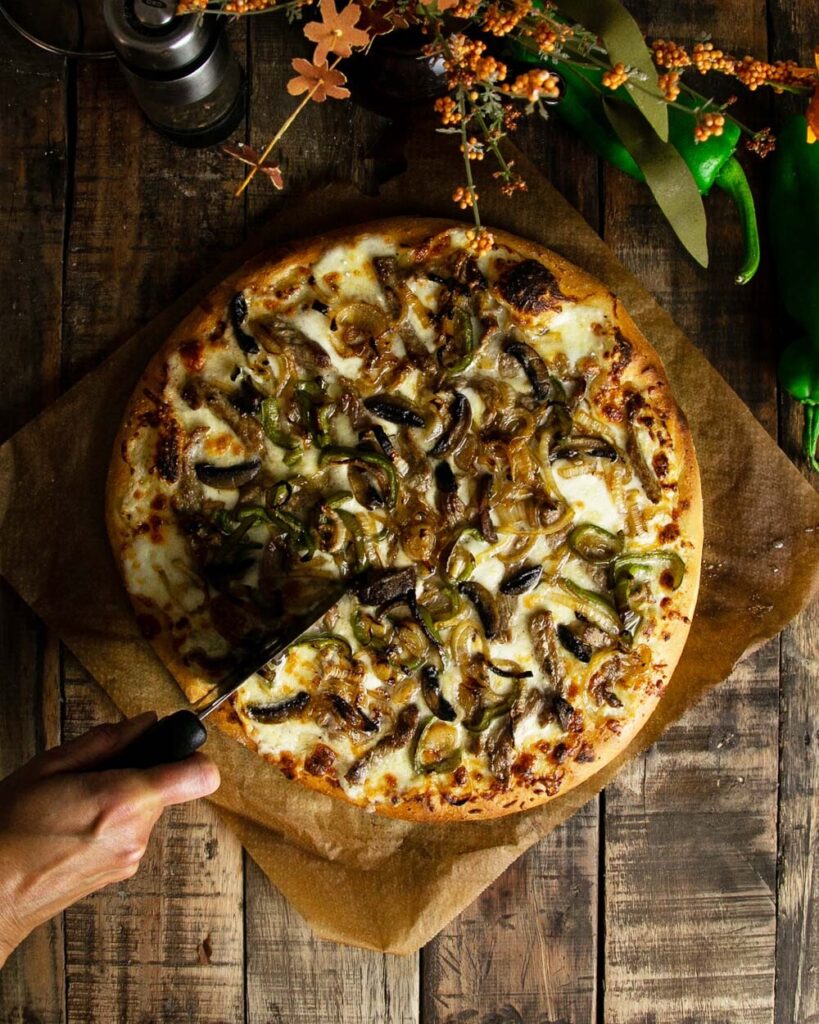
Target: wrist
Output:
{"points": [[12, 931]]}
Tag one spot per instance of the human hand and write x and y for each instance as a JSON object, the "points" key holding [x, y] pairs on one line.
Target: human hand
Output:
{"points": [[67, 830]]}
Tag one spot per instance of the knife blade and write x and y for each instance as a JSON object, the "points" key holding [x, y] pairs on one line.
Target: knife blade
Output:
{"points": [[178, 735]]}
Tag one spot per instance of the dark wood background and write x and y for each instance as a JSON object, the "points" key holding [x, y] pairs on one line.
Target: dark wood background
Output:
{"points": [[687, 893]]}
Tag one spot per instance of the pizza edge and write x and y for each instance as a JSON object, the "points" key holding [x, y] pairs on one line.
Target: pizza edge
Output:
{"points": [[645, 369]]}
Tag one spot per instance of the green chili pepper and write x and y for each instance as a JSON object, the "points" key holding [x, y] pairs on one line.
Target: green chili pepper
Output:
{"points": [[368, 631], [319, 640], [431, 735], [630, 571], [465, 331], [711, 162], [340, 454], [594, 544], [594, 606], [793, 212], [269, 417]]}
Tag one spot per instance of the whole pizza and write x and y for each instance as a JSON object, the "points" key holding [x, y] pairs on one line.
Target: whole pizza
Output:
{"points": [[484, 446]]}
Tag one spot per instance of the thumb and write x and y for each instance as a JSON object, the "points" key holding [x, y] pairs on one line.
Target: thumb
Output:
{"points": [[94, 746]]}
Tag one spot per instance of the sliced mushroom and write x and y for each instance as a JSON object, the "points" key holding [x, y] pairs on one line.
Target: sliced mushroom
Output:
{"points": [[350, 715], [226, 478], [578, 446], [534, 368], [405, 725], [523, 580], [238, 314], [485, 605], [271, 713], [460, 412], [377, 587], [394, 409], [431, 692], [574, 644]]}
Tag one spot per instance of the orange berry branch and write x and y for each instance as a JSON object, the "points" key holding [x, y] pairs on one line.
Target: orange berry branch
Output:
{"points": [[484, 101]]}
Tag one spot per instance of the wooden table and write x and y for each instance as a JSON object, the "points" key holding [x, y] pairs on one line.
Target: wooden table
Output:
{"points": [[687, 892]]}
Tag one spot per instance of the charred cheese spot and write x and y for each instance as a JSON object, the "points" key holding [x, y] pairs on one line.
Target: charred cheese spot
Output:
{"points": [[530, 288], [328, 337]]}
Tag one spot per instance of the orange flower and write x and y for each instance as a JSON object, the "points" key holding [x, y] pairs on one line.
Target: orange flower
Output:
{"points": [[336, 32], [812, 113], [325, 81], [248, 155]]}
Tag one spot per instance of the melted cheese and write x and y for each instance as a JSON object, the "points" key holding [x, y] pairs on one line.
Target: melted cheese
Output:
{"points": [[159, 569]]}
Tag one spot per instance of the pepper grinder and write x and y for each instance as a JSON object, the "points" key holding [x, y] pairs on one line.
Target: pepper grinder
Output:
{"points": [[180, 68]]}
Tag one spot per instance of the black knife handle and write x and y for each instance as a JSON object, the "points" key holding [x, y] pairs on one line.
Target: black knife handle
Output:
{"points": [[172, 738]]}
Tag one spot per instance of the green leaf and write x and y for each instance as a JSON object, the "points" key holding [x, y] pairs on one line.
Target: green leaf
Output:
{"points": [[625, 43], [666, 174]]}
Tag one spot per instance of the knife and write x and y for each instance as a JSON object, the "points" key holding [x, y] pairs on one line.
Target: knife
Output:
{"points": [[178, 735]]}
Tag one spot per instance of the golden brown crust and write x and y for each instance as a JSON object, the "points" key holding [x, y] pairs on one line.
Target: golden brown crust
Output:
{"points": [[643, 372]]}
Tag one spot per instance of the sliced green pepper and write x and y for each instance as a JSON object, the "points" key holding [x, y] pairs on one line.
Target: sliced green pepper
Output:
{"points": [[368, 631], [594, 544], [319, 640], [435, 748], [339, 454], [595, 607], [271, 424], [464, 334], [630, 571]]}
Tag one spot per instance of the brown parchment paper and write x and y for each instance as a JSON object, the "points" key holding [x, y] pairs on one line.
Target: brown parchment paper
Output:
{"points": [[402, 882]]}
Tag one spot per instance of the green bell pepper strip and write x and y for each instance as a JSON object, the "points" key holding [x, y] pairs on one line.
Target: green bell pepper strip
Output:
{"points": [[340, 454], [711, 162], [793, 214]]}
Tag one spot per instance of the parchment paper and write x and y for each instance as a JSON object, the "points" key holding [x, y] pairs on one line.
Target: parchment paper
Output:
{"points": [[401, 882]]}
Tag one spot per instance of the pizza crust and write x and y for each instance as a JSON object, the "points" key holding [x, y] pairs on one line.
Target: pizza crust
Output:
{"points": [[644, 371]]}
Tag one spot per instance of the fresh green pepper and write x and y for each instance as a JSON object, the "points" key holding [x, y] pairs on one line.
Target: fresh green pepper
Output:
{"points": [[630, 571], [320, 640], [464, 336], [711, 162], [436, 748], [269, 416], [368, 631], [594, 544], [793, 210], [340, 454], [593, 606]]}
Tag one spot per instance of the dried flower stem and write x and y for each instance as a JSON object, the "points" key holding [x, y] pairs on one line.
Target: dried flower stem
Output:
{"points": [[280, 133], [470, 184]]}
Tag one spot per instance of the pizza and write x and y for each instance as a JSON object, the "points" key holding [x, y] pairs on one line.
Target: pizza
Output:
{"points": [[483, 447]]}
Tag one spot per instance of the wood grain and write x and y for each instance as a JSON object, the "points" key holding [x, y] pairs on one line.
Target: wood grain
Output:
{"points": [[148, 219], [527, 948], [291, 976], [33, 176], [168, 944], [690, 828], [797, 942]]}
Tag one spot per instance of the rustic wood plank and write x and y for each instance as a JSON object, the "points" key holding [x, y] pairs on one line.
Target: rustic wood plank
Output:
{"points": [[292, 976], [168, 944], [33, 153], [691, 827], [148, 219], [526, 950], [797, 944]]}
